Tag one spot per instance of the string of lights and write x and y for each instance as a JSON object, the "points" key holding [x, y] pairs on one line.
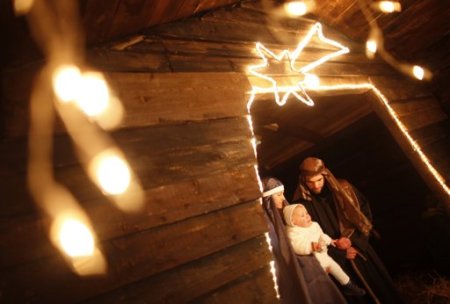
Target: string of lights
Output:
{"points": [[375, 40], [87, 106]]}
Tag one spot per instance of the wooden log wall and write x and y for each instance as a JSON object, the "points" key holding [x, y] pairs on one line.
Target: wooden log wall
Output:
{"points": [[201, 235]]}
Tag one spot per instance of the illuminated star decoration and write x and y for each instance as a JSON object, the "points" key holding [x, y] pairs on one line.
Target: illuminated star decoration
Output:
{"points": [[299, 90]]}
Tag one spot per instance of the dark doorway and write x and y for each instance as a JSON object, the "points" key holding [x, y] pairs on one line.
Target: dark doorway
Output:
{"points": [[365, 153]]}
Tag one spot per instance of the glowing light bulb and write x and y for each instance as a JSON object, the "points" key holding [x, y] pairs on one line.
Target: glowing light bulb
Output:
{"points": [[296, 8], [112, 172], [22, 7], [371, 47], [76, 238], [66, 81], [389, 6], [312, 81], [418, 72], [93, 98]]}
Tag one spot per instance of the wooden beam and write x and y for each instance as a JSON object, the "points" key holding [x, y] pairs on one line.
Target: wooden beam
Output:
{"points": [[414, 157], [255, 287], [25, 238], [291, 130], [148, 99], [196, 279], [129, 261], [159, 156]]}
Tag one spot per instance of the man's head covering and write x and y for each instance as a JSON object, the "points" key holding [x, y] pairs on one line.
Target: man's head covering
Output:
{"points": [[347, 204], [311, 166], [287, 213]]}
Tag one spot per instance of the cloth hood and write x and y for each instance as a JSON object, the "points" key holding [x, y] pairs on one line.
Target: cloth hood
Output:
{"points": [[287, 213]]}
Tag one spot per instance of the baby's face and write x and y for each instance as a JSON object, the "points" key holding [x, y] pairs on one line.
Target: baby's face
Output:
{"points": [[300, 217]]}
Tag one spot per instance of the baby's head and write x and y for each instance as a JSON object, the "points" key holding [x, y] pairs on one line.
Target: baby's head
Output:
{"points": [[296, 215]]}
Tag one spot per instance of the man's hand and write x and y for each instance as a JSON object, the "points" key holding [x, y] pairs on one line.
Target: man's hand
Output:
{"points": [[343, 243], [351, 253]]}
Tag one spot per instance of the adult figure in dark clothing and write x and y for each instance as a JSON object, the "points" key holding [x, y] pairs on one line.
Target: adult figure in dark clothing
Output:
{"points": [[344, 214], [300, 279]]}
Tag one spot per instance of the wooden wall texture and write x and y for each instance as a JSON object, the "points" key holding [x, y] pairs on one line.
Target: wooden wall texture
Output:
{"points": [[201, 236]]}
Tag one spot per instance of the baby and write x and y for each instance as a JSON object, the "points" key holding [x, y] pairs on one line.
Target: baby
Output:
{"points": [[307, 237]]}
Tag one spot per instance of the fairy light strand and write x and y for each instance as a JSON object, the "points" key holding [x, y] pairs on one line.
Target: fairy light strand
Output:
{"points": [[81, 98], [376, 37]]}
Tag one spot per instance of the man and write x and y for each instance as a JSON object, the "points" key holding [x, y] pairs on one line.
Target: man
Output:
{"points": [[344, 214]]}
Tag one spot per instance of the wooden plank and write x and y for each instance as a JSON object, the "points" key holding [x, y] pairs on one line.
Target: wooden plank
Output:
{"points": [[132, 16], [400, 88], [169, 167], [432, 133], [429, 25], [137, 256], [24, 239], [422, 118], [152, 140], [346, 120], [189, 63], [414, 157], [203, 146], [97, 17], [183, 63], [256, 287], [274, 19], [232, 32], [15, 92], [212, 4], [213, 31], [406, 107], [246, 49], [192, 280], [290, 150], [150, 99], [121, 61]]}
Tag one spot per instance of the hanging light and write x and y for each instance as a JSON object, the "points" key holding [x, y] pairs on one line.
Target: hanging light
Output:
{"points": [[75, 238], [296, 8], [67, 82], [371, 48], [112, 172], [22, 7], [418, 72], [387, 6]]}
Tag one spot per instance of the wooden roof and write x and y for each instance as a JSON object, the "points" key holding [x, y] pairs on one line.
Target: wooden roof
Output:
{"points": [[419, 34]]}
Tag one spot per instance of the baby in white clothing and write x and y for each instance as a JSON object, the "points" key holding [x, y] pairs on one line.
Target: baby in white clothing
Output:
{"points": [[307, 237]]}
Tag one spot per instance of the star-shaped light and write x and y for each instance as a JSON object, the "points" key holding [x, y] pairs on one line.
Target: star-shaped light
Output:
{"points": [[299, 89]]}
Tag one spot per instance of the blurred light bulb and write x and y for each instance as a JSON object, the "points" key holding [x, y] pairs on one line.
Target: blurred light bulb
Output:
{"points": [[418, 72], [296, 8], [388, 6], [67, 82], [22, 7], [371, 46], [93, 98], [112, 172], [312, 81], [76, 238]]}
